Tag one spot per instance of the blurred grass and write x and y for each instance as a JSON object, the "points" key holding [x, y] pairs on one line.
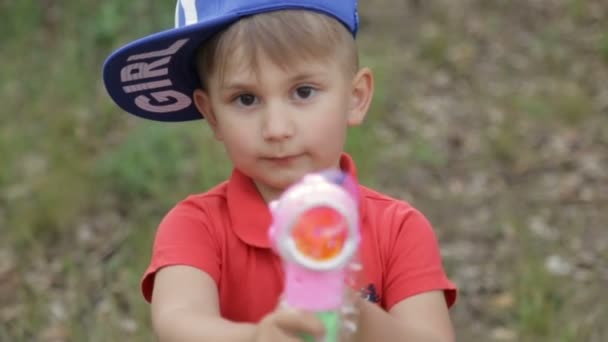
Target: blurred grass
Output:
{"points": [[603, 46]]}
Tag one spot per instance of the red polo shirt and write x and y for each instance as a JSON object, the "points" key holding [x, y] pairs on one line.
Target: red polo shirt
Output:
{"points": [[223, 232]]}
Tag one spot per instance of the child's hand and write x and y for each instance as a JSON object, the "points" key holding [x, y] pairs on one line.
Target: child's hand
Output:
{"points": [[350, 316], [288, 325]]}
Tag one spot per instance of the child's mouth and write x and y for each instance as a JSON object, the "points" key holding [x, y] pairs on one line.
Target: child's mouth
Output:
{"points": [[283, 160]]}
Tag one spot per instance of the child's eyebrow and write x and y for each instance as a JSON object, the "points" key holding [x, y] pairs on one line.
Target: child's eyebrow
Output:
{"points": [[236, 85], [296, 77]]}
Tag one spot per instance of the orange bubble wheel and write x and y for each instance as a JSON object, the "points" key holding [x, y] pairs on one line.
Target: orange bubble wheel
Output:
{"points": [[320, 233]]}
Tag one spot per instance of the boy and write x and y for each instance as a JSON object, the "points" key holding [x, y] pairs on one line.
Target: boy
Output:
{"points": [[279, 83]]}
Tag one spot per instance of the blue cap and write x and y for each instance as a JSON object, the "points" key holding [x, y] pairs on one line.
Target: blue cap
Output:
{"points": [[154, 77]]}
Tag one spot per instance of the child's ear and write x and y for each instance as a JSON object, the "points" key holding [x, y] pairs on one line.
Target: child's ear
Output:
{"points": [[203, 104], [361, 96]]}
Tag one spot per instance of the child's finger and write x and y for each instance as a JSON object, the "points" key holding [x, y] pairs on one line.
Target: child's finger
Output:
{"points": [[298, 321]]}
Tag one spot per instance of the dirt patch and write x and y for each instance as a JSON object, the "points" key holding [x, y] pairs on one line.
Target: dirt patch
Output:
{"points": [[497, 129]]}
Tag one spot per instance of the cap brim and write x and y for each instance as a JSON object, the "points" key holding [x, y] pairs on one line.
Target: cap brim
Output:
{"points": [[154, 77]]}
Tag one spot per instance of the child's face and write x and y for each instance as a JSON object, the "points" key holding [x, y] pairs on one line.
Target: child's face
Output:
{"points": [[278, 125]]}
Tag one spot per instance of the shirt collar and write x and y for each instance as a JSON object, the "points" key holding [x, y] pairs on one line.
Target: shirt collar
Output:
{"points": [[249, 213]]}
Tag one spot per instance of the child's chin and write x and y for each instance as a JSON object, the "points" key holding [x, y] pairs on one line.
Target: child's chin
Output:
{"points": [[284, 180]]}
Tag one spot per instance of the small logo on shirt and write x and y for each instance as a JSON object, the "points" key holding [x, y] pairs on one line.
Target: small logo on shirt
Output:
{"points": [[369, 293]]}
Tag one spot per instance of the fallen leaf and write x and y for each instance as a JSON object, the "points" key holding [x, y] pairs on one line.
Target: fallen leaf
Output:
{"points": [[503, 301]]}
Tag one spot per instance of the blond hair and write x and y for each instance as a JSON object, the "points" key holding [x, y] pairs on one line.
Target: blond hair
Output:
{"points": [[285, 36]]}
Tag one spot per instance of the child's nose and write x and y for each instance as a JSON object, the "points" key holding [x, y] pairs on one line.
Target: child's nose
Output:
{"points": [[277, 122]]}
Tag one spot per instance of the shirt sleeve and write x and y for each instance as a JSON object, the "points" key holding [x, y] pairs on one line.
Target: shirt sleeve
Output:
{"points": [[414, 262], [184, 237]]}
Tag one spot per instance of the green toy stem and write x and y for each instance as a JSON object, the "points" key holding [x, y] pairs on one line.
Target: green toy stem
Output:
{"points": [[331, 321]]}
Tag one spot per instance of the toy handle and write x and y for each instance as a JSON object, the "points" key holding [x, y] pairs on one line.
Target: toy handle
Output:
{"points": [[331, 321]]}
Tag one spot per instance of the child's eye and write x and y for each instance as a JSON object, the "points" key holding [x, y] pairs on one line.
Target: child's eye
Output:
{"points": [[304, 92], [246, 100]]}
